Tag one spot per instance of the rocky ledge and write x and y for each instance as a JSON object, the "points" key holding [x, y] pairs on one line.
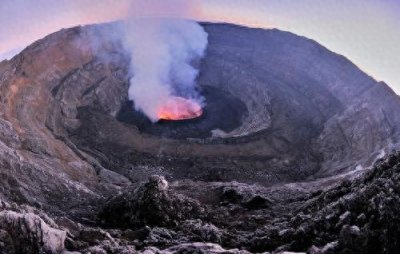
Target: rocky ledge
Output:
{"points": [[358, 216]]}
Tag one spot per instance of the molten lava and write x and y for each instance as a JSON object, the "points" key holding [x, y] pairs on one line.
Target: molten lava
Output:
{"points": [[178, 108]]}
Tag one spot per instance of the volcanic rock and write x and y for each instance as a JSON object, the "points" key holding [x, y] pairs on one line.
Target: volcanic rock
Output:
{"points": [[23, 231], [281, 160], [200, 248], [150, 204], [245, 195]]}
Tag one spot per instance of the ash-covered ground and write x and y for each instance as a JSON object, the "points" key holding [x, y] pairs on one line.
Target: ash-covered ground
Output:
{"points": [[295, 152]]}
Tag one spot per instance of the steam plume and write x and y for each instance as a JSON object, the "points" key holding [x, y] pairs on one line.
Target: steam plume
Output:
{"points": [[163, 45]]}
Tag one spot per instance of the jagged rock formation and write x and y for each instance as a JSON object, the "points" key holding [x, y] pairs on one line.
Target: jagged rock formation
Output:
{"points": [[359, 216], [151, 204], [286, 121], [27, 230]]}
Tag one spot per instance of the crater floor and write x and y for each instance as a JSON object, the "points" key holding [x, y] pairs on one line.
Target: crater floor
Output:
{"points": [[222, 113]]}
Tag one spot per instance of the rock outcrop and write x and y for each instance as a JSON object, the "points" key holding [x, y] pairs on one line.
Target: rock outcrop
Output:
{"points": [[151, 204], [24, 231], [359, 216]]}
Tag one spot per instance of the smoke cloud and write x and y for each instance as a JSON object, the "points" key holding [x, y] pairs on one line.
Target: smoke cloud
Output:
{"points": [[163, 47]]}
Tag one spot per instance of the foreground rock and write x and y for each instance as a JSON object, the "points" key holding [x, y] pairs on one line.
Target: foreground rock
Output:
{"points": [[359, 216], [150, 204], [23, 231], [195, 248]]}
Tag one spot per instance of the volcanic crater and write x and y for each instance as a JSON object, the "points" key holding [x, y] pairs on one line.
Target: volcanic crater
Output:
{"points": [[285, 121], [268, 118], [222, 113]]}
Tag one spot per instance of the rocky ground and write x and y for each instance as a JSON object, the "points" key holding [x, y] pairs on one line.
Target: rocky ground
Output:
{"points": [[281, 162], [355, 216]]}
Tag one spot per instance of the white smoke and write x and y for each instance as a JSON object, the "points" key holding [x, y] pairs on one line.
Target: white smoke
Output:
{"points": [[163, 46]]}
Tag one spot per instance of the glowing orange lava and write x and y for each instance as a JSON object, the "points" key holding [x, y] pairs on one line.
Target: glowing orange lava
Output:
{"points": [[178, 108]]}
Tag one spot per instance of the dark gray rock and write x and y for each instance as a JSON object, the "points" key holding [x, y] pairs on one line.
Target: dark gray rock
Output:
{"points": [[150, 204], [200, 231]]}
